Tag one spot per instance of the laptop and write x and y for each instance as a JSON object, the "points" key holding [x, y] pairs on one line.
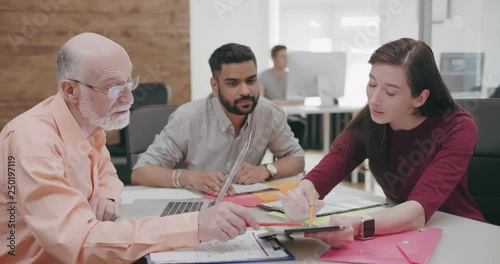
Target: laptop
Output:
{"points": [[157, 207]]}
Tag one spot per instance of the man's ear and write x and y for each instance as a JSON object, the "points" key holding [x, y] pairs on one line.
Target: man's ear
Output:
{"points": [[213, 83], [421, 99], [69, 91]]}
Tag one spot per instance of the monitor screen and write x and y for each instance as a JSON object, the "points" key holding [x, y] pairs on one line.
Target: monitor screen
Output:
{"points": [[462, 73], [316, 74]]}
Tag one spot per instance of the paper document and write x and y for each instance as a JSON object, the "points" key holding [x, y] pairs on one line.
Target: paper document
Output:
{"points": [[334, 203], [245, 248], [325, 219], [252, 188]]}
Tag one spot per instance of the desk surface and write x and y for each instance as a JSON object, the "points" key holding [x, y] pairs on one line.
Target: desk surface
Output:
{"points": [[322, 109], [463, 240]]}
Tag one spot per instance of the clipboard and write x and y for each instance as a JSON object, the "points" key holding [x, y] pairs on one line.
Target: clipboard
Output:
{"points": [[245, 248], [403, 248]]}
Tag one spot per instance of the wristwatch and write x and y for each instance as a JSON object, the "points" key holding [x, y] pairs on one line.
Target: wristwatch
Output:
{"points": [[367, 228], [272, 170]]}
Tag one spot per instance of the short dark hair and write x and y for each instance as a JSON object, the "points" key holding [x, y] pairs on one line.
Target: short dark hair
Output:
{"points": [[276, 49], [230, 53]]}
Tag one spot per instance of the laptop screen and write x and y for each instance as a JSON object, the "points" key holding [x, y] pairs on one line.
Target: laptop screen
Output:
{"points": [[232, 172]]}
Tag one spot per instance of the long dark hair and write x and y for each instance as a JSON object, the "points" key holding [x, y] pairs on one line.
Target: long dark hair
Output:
{"points": [[422, 73]]}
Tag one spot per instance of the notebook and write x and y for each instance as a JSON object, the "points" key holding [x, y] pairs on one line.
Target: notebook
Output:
{"points": [[163, 207]]}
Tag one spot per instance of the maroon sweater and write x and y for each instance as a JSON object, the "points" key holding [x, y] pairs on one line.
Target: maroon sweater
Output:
{"points": [[427, 164]]}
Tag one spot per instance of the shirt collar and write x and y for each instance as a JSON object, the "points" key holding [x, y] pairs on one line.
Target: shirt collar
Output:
{"points": [[224, 122], [71, 133]]}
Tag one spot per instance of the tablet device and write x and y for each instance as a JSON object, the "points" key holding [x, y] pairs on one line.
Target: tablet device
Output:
{"points": [[314, 229], [288, 232]]}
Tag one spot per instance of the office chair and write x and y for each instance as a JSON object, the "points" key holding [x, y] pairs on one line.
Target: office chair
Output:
{"points": [[484, 167], [145, 123], [144, 94], [151, 94]]}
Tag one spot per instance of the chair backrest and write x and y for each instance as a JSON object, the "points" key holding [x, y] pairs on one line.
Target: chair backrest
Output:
{"points": [[145, 123], [151, 94], [484, 167]]}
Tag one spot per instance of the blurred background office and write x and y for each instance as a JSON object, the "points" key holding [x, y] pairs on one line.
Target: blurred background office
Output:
{"points": [[169, 41]]}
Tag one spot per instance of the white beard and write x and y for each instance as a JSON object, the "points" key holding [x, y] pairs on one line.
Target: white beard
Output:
{"points": [[106, 122]]}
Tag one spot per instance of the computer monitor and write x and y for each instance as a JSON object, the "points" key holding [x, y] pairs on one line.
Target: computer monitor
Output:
{"points": [[463, 73], [316, 74]]}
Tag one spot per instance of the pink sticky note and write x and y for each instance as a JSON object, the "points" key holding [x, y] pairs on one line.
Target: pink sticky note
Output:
{"points": [[247, 200]]}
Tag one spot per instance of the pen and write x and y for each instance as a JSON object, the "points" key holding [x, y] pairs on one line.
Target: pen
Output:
{"points": [[278, 224], [311, 210]]}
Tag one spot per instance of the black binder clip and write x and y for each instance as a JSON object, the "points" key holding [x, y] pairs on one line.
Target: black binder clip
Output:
{"points": [[271, 238]]}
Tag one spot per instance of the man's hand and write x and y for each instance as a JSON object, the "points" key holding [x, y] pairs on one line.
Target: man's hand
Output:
{"points": [[105, 209], [208, 182], [224, 222], [248, 174]]}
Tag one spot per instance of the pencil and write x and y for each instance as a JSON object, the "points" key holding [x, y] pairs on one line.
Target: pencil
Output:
{"points": [[311, 210], [278, 224]]}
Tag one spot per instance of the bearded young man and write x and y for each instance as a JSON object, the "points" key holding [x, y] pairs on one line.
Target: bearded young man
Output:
{"points": [[206, 135], [59, 192]]}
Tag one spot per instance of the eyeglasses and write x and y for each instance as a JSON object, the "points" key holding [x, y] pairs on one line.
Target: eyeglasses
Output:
{"points": [[114, 91]]}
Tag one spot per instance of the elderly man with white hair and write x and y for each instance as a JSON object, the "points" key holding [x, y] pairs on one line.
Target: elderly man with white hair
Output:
{"points": [[58, 186]]}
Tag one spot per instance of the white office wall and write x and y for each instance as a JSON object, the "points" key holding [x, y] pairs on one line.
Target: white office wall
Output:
{"points": [[490, 21], [217, 22], [303, 21], [296, 30], [472, 26], [398, 19]]}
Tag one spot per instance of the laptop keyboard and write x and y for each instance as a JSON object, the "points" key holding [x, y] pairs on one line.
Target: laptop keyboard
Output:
{"points": [[174, 208]]}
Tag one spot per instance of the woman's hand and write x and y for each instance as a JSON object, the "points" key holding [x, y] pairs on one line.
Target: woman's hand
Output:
{"points": [[296, 202]]}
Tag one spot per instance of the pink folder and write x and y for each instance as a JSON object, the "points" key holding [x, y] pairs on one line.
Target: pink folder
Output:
{"points": [[247, 200], [407, 247]]}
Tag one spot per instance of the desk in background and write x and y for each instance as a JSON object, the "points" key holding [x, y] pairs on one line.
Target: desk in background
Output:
{"points": [[463, 240], [325, 111]]}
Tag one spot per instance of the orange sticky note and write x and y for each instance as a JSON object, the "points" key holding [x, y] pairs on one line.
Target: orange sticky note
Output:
{"points": [[272, 196]]}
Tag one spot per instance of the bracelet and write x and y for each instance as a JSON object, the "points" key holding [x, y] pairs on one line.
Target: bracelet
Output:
{"points": [[178, 179], [173, 178]]}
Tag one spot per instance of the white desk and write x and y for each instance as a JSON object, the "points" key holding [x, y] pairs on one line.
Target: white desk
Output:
{"points": [[463, 240], [325, 110]]}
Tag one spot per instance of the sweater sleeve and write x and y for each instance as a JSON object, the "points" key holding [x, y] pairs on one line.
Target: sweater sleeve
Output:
{"points": [[456, 142], [346, 153]]}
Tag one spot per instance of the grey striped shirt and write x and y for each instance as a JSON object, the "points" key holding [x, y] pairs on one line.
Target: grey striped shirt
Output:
{"points": [[200, 136]]}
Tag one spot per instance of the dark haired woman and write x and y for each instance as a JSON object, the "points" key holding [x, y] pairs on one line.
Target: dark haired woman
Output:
{"points": [[417, 140]]}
